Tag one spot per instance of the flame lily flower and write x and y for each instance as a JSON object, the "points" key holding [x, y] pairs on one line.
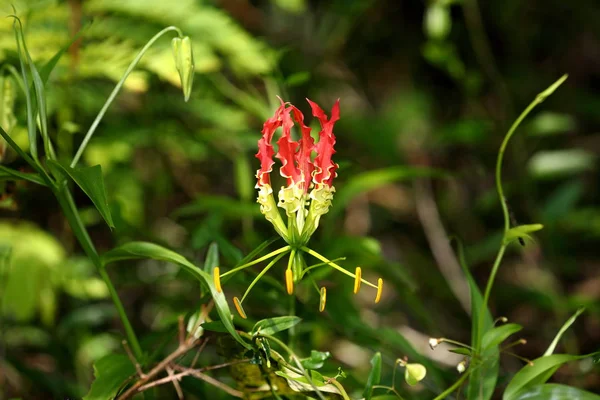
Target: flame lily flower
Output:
{"points": [[306, 197]]}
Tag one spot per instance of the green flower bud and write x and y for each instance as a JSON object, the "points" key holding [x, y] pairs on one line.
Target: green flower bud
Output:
{"points": [[184, 62]]}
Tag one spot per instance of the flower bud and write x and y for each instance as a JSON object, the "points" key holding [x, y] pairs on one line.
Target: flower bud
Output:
{"points": [[184, 62], [433, 343]]}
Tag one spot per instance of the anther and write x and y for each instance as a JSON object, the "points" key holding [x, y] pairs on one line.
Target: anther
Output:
{"points": [[323, 299], [379, 290], [289, 281], [238, 307], [217, 279], [357, 278]]}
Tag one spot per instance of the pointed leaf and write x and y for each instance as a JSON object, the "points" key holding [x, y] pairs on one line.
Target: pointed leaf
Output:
{"points": [[461, 350], [499, 334], [482, 380], [49, 66], [270, 326], [562, 330], [555, 391], [536, 374], [212, 258], [111, 373], [374, 376], [91, 181], [11, 174], [137, 250]]}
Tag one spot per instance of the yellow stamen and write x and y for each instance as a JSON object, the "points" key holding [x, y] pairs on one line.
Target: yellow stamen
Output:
{"points": [[217, 279], [289, 281], [238, 307], [358, 275], [379, 290], [323, 299]]}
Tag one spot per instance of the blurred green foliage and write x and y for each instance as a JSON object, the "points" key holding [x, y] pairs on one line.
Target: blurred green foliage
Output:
{"points": [[427, 89]]}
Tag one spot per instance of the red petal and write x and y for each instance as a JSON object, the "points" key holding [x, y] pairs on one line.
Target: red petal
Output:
{"points": [[287, 150], [307, 145], [265, 148], [324, 166]]}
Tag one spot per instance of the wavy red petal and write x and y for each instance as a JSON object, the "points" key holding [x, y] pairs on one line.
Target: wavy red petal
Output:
{"points": [[265, 148], [304, 154], [325, 168], [287, 150]]}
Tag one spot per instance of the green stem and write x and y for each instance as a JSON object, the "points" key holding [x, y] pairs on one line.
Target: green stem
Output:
{"points": [[115, 91], [501, 157], [538, 99], [452, 388], [486, 296], [70, 209], [334, 265], [263, 258], [340, 388], [264, 271]]}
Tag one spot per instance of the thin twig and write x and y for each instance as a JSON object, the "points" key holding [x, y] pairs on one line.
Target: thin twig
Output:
{"points": [[138, 368], [175, 382], [181, 330], [181, 350], [214, 382], [202, 346]]}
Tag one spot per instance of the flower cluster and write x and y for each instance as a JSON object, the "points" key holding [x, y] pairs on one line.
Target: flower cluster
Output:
{"points": [[309, 189], [308, 170]]}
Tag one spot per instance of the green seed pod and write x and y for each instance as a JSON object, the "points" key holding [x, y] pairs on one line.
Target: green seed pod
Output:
{"points": [[184, 62]]}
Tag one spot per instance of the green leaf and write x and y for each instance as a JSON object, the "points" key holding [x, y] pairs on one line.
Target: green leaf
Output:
{"points": [[497, 335], [90, 180], [317, 379], [521, 231], [414, 373], [11, 174], [111, 373], [49, 66], [212, 258], [538, 373], [482, 380], [374, 376], [555, 391], [214, 326], [461, 350], [137, 250], [270, 326], [316, 359], [562, 330]]}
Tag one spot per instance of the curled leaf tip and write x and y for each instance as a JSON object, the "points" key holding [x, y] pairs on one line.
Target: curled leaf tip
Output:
{"points": [[289, 281], [217, 279], [357, 279], [239, 308], [379, 290]]}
